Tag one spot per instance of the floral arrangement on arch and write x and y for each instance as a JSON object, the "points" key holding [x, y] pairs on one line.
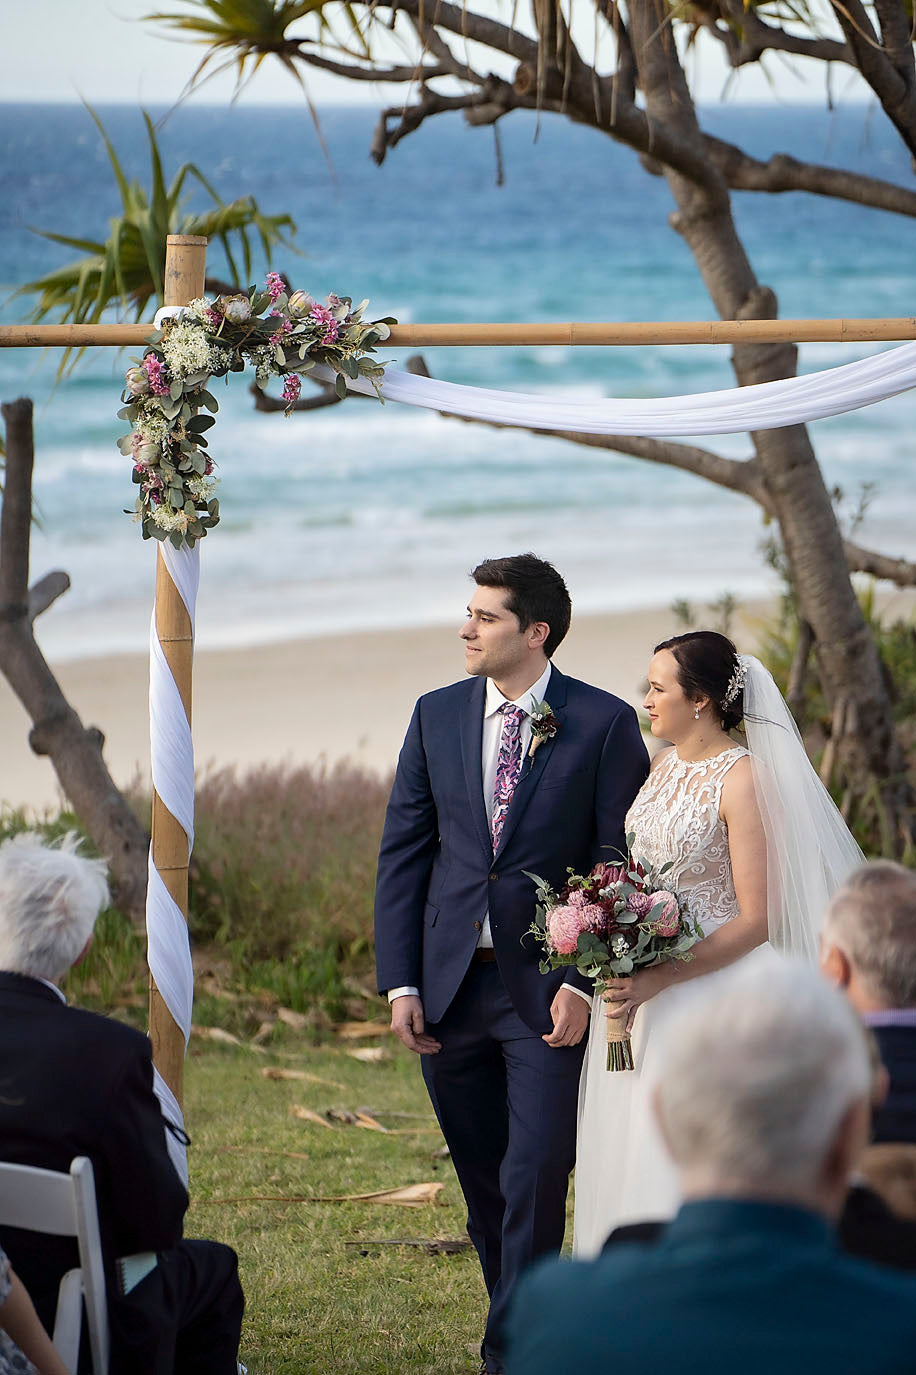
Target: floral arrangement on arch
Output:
{"points": [[610, 922], [166, 393]]}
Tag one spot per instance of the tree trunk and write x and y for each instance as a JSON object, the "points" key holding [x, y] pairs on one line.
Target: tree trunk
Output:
{"points": [[866, 754], [75, 751]]}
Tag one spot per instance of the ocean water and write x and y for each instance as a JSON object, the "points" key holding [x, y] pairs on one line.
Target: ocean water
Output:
{"points": [[367, 516]]}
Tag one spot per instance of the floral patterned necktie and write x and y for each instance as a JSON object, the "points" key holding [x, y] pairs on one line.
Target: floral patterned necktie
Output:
{"points": [[508, 767]]}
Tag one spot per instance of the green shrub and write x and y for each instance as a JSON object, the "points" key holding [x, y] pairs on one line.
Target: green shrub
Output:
{"points": [[281, 888]]}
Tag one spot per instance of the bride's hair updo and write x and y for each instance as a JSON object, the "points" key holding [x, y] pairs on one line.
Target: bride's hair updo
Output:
{"points": [[707, 666]]}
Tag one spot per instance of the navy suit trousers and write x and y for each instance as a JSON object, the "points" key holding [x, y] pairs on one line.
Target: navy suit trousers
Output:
{"points": [[506, 1102]]}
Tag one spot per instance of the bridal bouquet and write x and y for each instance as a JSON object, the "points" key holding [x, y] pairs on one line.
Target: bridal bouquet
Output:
{"points": [[608, 923]]}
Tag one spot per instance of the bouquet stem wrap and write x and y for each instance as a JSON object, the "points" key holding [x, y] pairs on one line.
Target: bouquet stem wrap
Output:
{"points": [[619, 1045]]}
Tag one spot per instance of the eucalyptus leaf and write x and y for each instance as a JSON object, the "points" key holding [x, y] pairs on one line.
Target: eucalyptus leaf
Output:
{"points": [[340, 386], [176, 390]]}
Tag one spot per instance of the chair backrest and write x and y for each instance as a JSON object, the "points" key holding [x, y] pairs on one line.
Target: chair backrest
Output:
{"points": [[64, 1205]]}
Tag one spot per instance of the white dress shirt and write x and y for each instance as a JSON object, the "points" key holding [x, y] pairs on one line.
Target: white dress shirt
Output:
{"points": [[489, 760]]}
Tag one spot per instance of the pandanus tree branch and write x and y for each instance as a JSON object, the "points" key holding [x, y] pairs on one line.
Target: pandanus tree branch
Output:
{"points": [[75, 750]]}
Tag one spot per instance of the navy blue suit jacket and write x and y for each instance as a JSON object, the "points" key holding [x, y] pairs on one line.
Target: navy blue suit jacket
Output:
{"points": [[731, 1286], [438, 876], [895, 1119]]}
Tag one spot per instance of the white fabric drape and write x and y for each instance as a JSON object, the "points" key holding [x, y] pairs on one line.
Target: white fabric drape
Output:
{"points": [[172, 765], [766, 406]]}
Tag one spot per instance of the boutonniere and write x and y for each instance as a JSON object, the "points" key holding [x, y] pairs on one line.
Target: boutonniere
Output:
{"points": [[544, 725]]}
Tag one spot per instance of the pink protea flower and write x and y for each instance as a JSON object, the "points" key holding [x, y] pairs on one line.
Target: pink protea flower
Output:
{"points": [[156, 374], [300, 303], [291, 389], [640, 904], [606, 874], [137, 381], [275, 285], [564, 926], [668, 922]]}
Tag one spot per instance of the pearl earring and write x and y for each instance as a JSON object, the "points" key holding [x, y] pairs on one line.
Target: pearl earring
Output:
{"points": [[696, 713]]}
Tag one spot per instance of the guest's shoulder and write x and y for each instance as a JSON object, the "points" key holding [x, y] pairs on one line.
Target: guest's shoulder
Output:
{"points": [[579, 1278], [883, 1294], [108, 1035], [556, 1297]]}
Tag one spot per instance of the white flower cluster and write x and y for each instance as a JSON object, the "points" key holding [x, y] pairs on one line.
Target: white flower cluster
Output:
{"points": [[201, 487], [167, 519], [153, 426], [220, 358], [186, 349], [197, 311]]}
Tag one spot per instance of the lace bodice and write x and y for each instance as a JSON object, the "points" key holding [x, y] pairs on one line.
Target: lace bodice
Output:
{"points": [[675, 819]]}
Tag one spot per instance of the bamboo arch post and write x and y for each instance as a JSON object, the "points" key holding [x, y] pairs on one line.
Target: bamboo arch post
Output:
{"points": [[185, 269]]}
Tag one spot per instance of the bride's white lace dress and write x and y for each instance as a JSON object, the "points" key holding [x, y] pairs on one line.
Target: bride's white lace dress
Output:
{"points": [[622, 1171]]}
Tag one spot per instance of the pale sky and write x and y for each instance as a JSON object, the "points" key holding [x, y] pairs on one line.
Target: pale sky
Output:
{"points": [[99, 50], [62, 50]]}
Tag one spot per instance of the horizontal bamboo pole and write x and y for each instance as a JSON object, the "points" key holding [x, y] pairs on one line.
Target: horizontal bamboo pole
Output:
{"points": [[507, 335]]}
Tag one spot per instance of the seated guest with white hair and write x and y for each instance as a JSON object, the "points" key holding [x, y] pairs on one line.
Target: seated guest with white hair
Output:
{"points": [[75, 1083], [763, 1104], [868, 949]]}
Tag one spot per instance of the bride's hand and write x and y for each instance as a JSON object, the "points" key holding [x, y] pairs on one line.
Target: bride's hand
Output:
{"points": [[624, 996]]}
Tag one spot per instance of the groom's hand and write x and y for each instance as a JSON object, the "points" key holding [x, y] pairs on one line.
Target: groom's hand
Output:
{"points": [[408, 1025], [570, 1015]]}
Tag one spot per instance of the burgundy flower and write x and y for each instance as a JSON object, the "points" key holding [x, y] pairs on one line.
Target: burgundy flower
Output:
{"points": [[640, 904]]}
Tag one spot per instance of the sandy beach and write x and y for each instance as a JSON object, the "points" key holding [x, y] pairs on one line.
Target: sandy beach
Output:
{"points": [[337, 697]]}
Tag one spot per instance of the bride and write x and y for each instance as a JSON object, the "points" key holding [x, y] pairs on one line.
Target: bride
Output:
{"points": [[756, 848]]}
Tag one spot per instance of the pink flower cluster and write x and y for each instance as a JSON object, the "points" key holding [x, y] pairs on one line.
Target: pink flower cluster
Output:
{"points": [[156, 374], [214, 318], [275, 285], [324, 317], [291, 389], [153, 488], [565, 924], [640, 904], [284, 329]]}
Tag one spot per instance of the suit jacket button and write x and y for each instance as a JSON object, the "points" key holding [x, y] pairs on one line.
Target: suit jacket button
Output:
{"points": [[477, 926], [494, 878]]}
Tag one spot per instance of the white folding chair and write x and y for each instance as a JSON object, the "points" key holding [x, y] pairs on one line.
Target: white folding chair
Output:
{"points": [[63, 1205]]}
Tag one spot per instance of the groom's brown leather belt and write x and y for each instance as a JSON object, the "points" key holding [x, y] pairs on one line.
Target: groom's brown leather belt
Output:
{"points": [[485, 954]]}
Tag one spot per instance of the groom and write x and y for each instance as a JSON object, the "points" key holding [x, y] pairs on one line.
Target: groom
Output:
{"points": [[491, 783]]}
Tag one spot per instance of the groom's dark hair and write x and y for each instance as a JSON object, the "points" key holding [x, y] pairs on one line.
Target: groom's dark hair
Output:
{"points": [[536, 592]]}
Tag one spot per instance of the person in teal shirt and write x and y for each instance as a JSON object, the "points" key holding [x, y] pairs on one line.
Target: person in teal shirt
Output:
{"points": [[763, 1103]]}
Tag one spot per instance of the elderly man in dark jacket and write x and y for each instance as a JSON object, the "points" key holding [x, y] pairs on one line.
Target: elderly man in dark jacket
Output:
{"points": [[74, 1083]]}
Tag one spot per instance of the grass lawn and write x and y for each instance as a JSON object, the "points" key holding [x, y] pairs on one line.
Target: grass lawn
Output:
{"points": [[314, 1301]]}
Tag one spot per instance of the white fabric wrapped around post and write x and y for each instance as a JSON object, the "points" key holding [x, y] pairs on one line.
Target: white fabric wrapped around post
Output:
{"points": [[172, 763]]}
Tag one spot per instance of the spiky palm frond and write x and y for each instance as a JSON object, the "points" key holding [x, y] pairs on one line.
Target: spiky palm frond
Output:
{"points": [[242, 33], [126, 268]]}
